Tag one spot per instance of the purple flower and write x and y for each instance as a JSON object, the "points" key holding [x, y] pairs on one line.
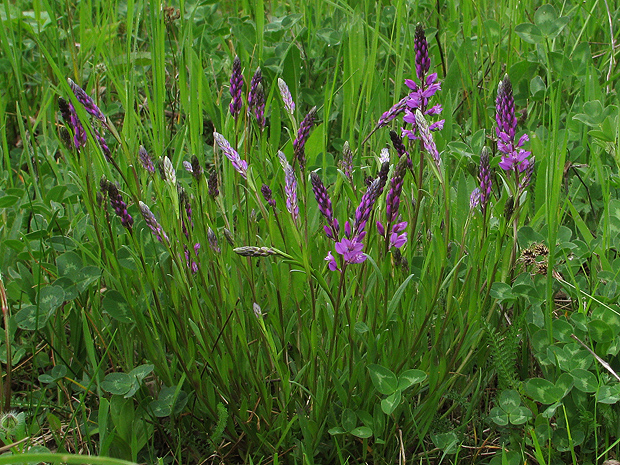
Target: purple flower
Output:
{"points": [[420, 45], [398, 240], [505, 109], [527, 177], [86, 101], [287, 98], [398, 108], [364, 209], [79, 134], [474, 198], [514, 158], [184, 203], [152, 222], [196, 168], [421, 92], [240, 165], [145, 160], [302, 137], [117, 203], [266, 191], [325, 206], [392, 199], [236, 87], [333, 266], [256, 98], [351, 250], [418, 100], [212, 183], [290, 187], [103, 144]]}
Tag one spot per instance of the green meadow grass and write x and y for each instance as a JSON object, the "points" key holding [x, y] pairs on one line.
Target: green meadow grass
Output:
{"points": [[486, 338]]}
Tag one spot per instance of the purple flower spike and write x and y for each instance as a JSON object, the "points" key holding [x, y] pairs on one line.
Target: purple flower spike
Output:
{"points": [[393, 196], [287, 98], [420, 45], [117, 203], [79, 134], [86, 101], [398, 108], [505, 109], [240, 165], [474, 198], [212, 183], [103, 144], [152, 222], [145, 160], [514, 157], [256, 98], [527, 177], [236, 88], [325, 205], [266, 191], [363, 211], [290, 187], [302, 137]]}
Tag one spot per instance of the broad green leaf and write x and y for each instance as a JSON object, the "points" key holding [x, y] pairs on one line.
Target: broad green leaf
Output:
{"points": [[8, 201], [509, 400], [600, 331], [86, 276], [362, 432], [529, 33], [499, 416], [390, 403], [117, 383], [50, 298], [547, 20], [383, 379], [447, 442], [30, 318], [562, 330], [348, 419], [520, 415], [330, 36], [69, 264], [116, 306], [584, 380], [608, 394], [543, 391], [142, 371], [537, 87], [409, 378], [159, 409], [502, 292]]}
